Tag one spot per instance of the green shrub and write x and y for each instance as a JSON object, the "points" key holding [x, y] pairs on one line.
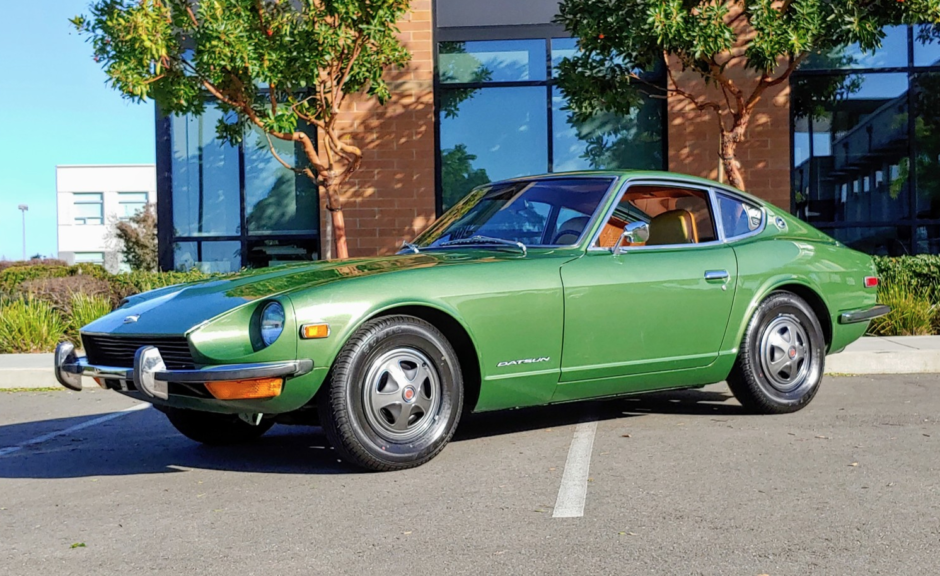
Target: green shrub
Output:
{"points": [[917, 273], [4, 264], [60, 291], [29, 325], [912, 313], [12, 277], [85, 309]]}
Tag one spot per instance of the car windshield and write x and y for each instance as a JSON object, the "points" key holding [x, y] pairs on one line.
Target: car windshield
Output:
{"points": [[549, 212]]}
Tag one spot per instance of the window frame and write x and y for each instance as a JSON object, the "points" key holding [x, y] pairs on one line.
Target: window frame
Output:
{"points": [[82, 220], [712, 193]]}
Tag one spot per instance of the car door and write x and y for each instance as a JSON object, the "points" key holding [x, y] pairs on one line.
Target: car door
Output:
{"points": [[651, 308]]}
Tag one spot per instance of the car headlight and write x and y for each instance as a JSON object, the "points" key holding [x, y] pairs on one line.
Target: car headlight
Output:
{"points": [[272, 322]]}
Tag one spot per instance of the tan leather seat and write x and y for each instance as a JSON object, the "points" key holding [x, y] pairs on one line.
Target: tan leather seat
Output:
{"points": [[673, 227], [570, 231]]}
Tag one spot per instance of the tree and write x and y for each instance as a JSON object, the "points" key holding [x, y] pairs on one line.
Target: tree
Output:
{"points": [[138, 237], [768, 38], [272, 64]]}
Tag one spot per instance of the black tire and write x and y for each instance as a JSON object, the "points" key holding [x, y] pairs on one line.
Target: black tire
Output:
{"points": [[215, 429], [780, 362], [366, 412]]}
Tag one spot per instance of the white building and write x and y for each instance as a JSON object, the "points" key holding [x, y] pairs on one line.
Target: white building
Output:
{"points": [[90, 198]]}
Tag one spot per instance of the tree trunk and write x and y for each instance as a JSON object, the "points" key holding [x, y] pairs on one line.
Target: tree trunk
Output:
{"points": [[339, 222], [729, 162], [729, 146]]}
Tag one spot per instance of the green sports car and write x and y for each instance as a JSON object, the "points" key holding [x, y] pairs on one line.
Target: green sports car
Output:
{"points": [[529, 291]]}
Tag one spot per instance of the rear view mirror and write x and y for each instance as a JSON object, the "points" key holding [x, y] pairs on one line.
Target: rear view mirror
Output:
{"points": [[634, 233]]}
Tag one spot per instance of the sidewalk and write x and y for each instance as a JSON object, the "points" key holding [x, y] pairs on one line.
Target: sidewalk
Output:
{"points": [[888, 355], [870, 355]]}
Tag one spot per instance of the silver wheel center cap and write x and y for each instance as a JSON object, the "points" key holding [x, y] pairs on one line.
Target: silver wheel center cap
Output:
{"points": [[792, 352], [408, 394]]}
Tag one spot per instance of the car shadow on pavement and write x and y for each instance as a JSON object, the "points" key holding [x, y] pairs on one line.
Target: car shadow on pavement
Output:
{"points": [[693, 402], [144, 442]]}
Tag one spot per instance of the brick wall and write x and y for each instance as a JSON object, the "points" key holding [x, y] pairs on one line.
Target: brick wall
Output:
{"points": [[765, 153], [391, 197]]}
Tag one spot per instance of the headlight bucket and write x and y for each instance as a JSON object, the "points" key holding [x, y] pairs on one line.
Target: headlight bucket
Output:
{"points": [[272, 322]]}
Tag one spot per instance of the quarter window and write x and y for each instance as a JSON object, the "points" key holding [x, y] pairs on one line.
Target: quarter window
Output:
{"points": [[737, 217], [89, 208]]}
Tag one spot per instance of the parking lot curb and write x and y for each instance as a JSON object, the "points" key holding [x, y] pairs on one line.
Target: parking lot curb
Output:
{"points": [[884, 362]]}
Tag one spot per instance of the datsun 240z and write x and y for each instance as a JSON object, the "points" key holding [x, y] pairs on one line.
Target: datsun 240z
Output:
{"points": [[528, 292]]}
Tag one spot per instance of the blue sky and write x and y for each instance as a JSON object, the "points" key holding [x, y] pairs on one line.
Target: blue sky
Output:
{"points": [[55, 108]]}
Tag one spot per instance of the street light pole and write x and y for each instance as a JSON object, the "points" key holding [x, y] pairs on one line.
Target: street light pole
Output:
{"points": [[23, 208]]}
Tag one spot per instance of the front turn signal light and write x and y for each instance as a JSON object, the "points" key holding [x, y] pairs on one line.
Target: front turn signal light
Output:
{"points": [[245, 389], [311, 331]]}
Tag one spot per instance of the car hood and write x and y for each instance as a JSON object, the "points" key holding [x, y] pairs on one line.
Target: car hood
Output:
{"points": [[178, 309]]}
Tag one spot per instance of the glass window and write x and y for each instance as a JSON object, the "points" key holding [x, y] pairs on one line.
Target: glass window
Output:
{"points": [[277, 201], [880, 241], [88, 208], [738, 217], [542, 212], [205, 178], [607, 141], [892, 54], [89, 258], [263, 252], [562, 48], [675, 215], [926, 45], [495, 133], [857, 127], [208, 257], [926, 90], [489, 131], [130, 203], [491, 61]]}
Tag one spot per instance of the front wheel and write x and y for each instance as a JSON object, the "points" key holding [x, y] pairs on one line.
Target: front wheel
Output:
{"points": [[394, 395], [780, 361]]}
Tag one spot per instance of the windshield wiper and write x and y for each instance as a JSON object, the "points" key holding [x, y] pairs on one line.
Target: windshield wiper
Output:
{"points": [[410, 246], [478, 239]]}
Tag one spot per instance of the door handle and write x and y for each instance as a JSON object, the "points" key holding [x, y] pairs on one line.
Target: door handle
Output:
{"points": [[716, 275]]}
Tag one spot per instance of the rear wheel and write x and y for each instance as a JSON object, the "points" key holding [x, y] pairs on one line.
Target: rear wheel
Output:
{"points": [[394, 395], [780, 361], [215, 429]]}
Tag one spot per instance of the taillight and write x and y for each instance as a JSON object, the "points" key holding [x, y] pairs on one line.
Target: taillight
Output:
{"points": [[871, 281]]}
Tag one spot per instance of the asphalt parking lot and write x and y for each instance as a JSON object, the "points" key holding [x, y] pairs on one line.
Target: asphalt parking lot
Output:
{"points": [[676, 483]]}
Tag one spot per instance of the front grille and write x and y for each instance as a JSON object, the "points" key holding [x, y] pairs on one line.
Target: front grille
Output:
{"points": [[119, 350]]}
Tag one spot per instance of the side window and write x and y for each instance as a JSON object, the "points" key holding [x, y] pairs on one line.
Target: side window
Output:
{"points": [[676, 215], [738, 217]]}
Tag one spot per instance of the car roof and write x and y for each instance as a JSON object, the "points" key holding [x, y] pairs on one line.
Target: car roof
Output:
{"points": [[638, 174]]}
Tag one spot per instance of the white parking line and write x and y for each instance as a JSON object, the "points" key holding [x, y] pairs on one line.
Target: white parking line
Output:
{"points": [[573, 489], [76, 428]]}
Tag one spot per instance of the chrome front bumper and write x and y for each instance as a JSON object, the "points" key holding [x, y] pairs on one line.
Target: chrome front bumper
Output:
{"points": [[150, 375]]}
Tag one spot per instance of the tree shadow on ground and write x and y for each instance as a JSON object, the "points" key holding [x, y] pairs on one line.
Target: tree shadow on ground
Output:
{"points": [[143, 442]]}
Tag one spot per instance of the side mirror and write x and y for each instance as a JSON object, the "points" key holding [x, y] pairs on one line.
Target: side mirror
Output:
{"points": [[635, 233]]}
